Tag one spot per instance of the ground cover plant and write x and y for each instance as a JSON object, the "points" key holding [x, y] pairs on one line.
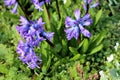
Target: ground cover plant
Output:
{"points": [[59, 40]]}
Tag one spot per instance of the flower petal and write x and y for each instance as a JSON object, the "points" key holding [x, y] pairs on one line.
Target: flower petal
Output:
{"points": [[85, 32], [9, 2], [14, 10], [69, 22], [77, 14], [84, 6], [87, 16], [94, 5], [48, 35], [23, 20], [72, 32], [89, 1], [87, 22]]}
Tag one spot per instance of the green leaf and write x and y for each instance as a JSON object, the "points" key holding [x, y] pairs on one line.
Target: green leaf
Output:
{"points": [[11, 16], [15, 36], [93, 39], [59, 62], [64, 47], [112, 10], [60, 24], [6, 53], [48, 63], [11, 75], [100, 37], [85, 45], [44, 52], [81, 43], [35, 14], [56, 65], [68, 3], [73, 50], [73, 72], [96, 49], [46, 66], [3, 69], [9, 58], [45, 56], [76, 57], [57, 48], [96, 40], [46, 17], [22, 76], [3, 51], [98, 15]]}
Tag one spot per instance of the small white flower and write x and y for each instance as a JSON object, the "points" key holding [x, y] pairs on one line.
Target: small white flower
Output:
{"points": [[103, 76], [64, 1], [110, 58], [116, 46], [101, 73]]}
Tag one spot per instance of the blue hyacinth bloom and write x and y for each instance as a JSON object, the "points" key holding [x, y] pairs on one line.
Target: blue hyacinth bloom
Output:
{"points": [[27, 55], [38, 3], [10, 3], [33, 31], [75, 27], [88, 2]]}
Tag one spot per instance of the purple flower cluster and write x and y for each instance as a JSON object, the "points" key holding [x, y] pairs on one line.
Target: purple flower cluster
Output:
{"points": [[27, 55], [75, 27], [88, 3], [39, 3], [33, 33], [10, 3]]}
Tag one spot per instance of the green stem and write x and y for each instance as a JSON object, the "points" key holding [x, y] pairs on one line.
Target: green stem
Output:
{"points": [[58, 9], [25, 13], [46, 7], [50, 43]]}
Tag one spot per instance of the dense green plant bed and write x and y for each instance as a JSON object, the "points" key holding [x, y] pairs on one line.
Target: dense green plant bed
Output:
{"points": [[59, 40]]}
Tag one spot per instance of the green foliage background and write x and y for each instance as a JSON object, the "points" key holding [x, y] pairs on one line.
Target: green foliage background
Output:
{"points": [[68, 60]]}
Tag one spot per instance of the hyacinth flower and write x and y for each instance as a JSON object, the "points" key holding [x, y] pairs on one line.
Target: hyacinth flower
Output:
{"points": [[10, 3], [27, 55], [87, 4], [33, 31], [38, 3], [75, 27]]}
